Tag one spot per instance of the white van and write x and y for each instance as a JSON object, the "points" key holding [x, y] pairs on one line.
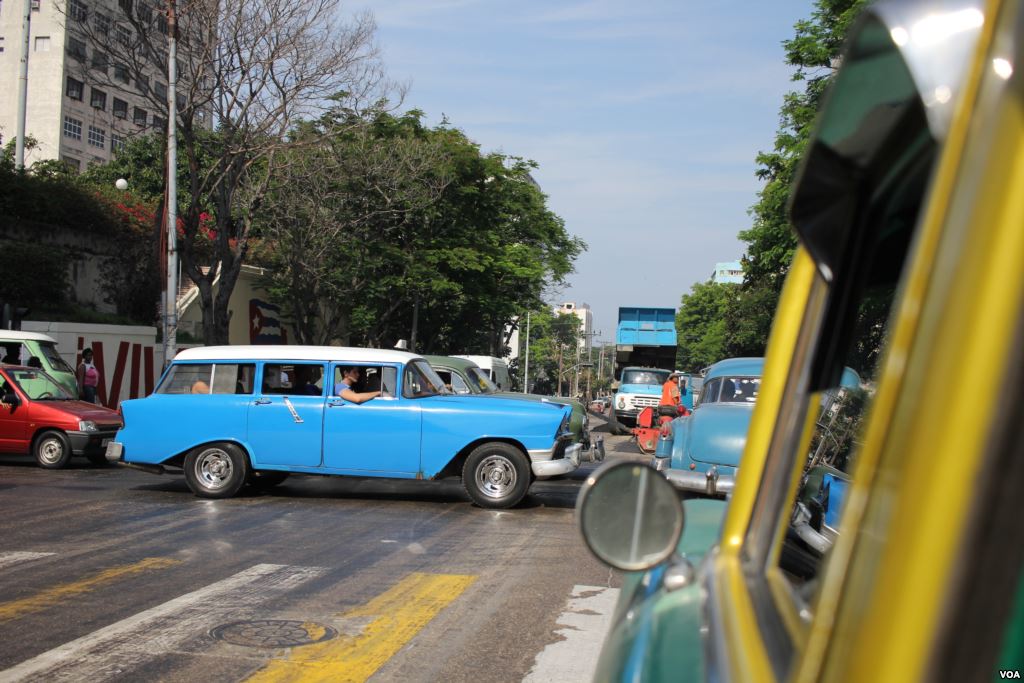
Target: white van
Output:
{"points": [[496, 369]]}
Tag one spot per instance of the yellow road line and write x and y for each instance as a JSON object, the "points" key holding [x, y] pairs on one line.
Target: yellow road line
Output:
{"points": [[395, 617], [54, 596]]}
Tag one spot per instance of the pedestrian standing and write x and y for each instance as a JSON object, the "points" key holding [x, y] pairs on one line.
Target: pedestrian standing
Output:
{"points": [[88, 377]]}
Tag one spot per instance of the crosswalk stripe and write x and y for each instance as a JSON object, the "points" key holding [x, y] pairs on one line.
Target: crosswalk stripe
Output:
{"points": [[58, 594], [121, 647], [586, 621], [17, 557], [395, 617]]}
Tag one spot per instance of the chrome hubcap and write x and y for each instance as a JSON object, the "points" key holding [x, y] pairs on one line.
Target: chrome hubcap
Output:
{"points": [[213, 468], [51, 451], [496, 476]]}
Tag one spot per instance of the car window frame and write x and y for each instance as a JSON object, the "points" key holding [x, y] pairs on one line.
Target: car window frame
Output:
{"points": [[383, 367]]}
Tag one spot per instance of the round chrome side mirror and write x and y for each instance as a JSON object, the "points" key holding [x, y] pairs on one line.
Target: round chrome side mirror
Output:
{"points": [[630, 516]]}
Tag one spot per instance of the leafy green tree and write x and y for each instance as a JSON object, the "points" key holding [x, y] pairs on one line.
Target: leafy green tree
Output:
{"points": [[404, 231], [701, 324], [248, 70], [348, 220], [771, 241], [814, 51], [554, 338]]}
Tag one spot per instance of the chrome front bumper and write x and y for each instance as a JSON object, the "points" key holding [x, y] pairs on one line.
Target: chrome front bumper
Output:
{"points": [[115, 451], [559, 466], [710, 483]]}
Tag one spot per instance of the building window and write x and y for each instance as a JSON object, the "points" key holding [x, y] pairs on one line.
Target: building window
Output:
{"points": [[76, 48], [99, 60], [159, 123], [161, 23], [141, 116], [35, 5], [42, 44], [124, 35], [121, 73], [126, 5], [160, 89], [116, 142], [179, 101], [101, 24], [145, 13], [98, 99], [143, 85], [73, 88], [77, 10], [71, 162], [1, 43], [120, 108], [72, 128], [97, 137]]}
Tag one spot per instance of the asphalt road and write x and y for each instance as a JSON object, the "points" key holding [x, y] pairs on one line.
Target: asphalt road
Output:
{"points": [[114, 574]]}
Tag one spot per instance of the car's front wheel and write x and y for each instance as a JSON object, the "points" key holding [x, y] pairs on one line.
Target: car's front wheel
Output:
{"points": [[217, 470], [496, 475], [52, 449]]}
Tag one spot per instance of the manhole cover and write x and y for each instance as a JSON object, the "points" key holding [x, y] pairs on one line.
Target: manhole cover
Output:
{"points": [[273, 633]]}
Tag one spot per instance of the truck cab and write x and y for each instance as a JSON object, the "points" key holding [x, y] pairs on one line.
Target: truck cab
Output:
{"points": [[639, 388]]}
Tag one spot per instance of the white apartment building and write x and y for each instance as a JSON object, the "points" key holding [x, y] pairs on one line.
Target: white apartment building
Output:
{"points": [[581, 311], [88, 89]]}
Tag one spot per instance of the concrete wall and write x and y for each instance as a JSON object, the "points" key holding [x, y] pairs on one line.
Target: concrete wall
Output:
{"points": [[92, 255], [253, 319], [128, 357]]}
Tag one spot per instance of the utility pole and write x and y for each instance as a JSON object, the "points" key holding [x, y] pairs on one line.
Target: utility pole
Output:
{"points": [[19, 141], [526, 368], [170, 328]]}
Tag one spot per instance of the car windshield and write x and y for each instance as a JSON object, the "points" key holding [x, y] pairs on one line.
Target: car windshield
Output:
{"points": [[483, 384], [38, 386], [58, 363], [644, 377], [420, 380], [738, 389]]}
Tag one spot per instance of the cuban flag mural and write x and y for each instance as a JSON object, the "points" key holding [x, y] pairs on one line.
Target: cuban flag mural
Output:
{"points": [[265, 324]]}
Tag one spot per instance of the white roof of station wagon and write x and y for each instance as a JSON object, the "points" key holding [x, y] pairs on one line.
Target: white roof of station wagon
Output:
{"points": [[18, 335], [287, 352]]}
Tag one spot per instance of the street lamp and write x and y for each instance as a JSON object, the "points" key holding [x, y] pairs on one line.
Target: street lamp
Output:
{"points": [[121, 184]]}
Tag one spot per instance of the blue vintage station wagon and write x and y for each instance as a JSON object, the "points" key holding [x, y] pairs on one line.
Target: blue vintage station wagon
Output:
{"points": [[233, 415]]}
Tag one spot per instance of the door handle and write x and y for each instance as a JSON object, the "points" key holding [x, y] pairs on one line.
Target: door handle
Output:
{"points": [[261, 401], [335, 404]]}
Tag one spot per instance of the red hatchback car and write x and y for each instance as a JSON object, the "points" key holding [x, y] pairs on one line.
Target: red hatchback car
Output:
{"points": [[38, 416]]}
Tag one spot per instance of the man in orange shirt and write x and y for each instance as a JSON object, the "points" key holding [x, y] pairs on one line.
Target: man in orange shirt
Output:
{"points": [[670, 395]]}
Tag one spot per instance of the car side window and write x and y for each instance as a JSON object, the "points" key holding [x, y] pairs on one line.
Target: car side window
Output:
{"points": [[457, 384], [371, 378], [187, 378], [293, 379], [709, 394], [232, 378]]}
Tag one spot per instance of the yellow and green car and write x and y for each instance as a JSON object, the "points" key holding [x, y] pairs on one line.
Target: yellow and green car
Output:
{"points": [[910, 217]]}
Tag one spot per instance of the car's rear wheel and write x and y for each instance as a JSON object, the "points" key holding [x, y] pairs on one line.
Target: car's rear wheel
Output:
{"points": [[52, 449], [267, 479], [496, 475], [217, 470]]}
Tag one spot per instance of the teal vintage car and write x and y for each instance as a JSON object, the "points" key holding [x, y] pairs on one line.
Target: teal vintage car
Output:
{"points": [[701, 452], [463, 376]]}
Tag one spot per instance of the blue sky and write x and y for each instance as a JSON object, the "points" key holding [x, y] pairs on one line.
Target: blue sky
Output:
{"points": [[645, 118]]}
